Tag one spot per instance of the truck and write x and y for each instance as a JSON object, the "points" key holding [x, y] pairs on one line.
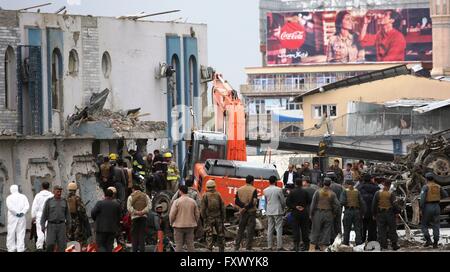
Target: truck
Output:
{"points": [[221, 155]]}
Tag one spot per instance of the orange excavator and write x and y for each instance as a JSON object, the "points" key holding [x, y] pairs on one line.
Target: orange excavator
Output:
{"points": [[221, 155]]}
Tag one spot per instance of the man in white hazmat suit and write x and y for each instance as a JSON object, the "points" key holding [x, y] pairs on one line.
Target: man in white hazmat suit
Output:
{"points": [[17, 205], [36, 212]]}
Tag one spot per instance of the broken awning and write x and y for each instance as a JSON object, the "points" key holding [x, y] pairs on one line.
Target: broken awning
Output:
{"points": [[287, 116], [432, 106]]}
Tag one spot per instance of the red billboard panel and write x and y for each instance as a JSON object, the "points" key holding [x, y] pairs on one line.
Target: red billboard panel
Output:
{"points": [[349, 36]]}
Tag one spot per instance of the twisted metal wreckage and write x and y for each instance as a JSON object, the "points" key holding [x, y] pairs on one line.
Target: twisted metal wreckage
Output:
{"points": [[407, 175]]}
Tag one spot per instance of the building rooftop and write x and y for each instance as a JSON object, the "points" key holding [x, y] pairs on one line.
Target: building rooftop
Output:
{"points": [[361, 79]]}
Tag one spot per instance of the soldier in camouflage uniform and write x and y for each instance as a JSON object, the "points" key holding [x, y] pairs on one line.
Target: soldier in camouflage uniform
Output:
{"points": [[79, 229], [213, 214]]}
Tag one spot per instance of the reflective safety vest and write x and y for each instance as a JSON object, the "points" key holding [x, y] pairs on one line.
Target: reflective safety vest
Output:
{"points": [[434, 192], [172, 173], [139, 168]]}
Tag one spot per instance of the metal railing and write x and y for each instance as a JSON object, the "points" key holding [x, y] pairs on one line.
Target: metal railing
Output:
{"points": [[385, 124], [251, 88]]}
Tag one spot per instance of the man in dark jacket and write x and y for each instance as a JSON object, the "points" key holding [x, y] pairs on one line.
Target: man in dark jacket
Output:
{"points": [[118, 180], [106, 214], [338, 171], [289, 177], [304, 171], [316, 174], [368, 188], [298, 202]]}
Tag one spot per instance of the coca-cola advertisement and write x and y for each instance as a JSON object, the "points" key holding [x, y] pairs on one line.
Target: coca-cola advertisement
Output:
{"points": [[349, 36]]}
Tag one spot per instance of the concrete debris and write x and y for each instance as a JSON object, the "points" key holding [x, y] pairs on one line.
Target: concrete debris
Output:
{"points": [[121, 121], [373, 246], [96, 103], [359, 248], [7, 132]]}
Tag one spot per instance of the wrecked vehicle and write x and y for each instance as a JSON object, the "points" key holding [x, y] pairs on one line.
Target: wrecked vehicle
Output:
{"points": [[407, 174]]}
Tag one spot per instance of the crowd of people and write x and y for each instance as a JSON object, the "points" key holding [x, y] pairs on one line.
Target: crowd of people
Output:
{"points": [[317, 200], [315, 205]]}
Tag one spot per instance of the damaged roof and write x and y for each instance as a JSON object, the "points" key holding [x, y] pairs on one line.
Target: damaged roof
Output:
{"points": [[364, 78], [409, 102], [433, 106]]}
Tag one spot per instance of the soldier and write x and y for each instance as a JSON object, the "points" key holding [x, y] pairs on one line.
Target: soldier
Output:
{"points": [[384, 210], [324, 208], [337, 189], [430, 196], [213, 214], [79, 229], [355, 207], [57, 216], [247, 201]]}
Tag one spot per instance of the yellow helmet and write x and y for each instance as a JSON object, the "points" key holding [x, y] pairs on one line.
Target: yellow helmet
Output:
{"points": [[113, 156], [167, 155], [72, 186]]}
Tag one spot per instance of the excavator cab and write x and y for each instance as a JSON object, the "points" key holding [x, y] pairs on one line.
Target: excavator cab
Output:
{"points": [[205, 145]]}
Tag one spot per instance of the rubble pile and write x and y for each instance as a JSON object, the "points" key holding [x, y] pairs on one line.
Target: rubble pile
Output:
{"points": [[125, 121], [7, 132], [120, 121]]}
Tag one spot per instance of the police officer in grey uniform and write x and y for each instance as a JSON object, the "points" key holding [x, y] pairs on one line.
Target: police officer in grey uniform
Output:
{"points": [[355, 207], [57, 216], [384, 210], [337, 189], [324, 208], [430, 196]]}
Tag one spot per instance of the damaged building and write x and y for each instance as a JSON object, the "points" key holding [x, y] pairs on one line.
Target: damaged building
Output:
{"points": [[73, 87]]}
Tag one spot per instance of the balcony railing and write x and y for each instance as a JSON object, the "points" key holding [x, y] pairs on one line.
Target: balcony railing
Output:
{"points": [[251, 88], [385, 124]]}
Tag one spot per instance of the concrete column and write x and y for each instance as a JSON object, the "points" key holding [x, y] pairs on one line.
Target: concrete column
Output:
{"points": [[440, 16]]}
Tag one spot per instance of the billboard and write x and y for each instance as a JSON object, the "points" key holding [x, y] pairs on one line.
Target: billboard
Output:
{"points": [[348, 36]]}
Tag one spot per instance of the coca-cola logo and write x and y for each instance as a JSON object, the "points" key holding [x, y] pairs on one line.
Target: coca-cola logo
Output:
{"points": [[292, 35]]}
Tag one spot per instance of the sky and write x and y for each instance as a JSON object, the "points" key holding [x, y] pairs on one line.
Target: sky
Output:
{"points": [[233, 25]]}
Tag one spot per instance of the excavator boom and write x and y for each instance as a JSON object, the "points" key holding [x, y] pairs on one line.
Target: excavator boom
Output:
{"points": [[230, 118]]}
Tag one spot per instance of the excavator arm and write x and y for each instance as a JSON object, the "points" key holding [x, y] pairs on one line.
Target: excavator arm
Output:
{"points": [[230, 118]]}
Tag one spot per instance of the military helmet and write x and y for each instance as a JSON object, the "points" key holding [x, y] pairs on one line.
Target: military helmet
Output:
{"points": [[113, 189], [210, 184], [72, 186]]}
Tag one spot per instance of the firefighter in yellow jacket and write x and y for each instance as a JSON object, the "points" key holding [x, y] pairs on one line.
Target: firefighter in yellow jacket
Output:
{"points": [[173, 175]]}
